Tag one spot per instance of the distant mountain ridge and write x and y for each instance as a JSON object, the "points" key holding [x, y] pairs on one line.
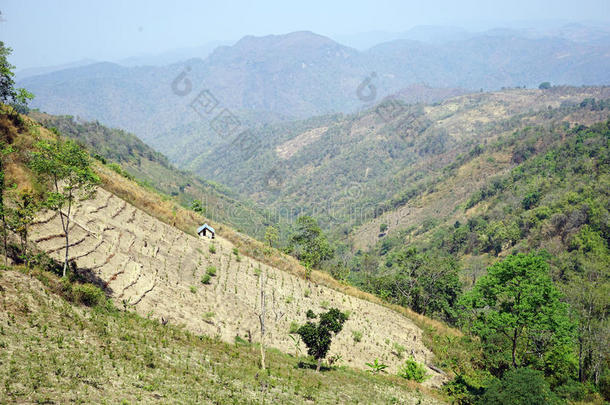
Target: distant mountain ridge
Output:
{"points": [[302, 74]]}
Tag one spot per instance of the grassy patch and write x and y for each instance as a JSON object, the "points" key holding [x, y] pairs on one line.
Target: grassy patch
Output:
{"points": [[62, 352]]}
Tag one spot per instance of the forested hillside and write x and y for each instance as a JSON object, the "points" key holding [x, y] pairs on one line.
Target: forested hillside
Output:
{"points": [[129, 156], [553, 204], [346, 170]]}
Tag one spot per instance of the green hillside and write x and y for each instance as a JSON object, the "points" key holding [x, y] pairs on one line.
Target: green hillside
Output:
{"points": [[345, 170], [128, 155], [553, 202]]}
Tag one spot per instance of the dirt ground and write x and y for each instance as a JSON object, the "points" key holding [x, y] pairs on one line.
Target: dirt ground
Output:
{"points": [[157, 270]]}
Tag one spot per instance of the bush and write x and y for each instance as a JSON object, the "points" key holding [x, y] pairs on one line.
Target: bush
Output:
{"points": [[205, 279], [357, 335], [211, 271], [212, 249], [413, 370], [87, 294], [521, 386]]}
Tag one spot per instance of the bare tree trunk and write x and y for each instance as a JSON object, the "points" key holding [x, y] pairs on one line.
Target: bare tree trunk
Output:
{"points": [[515, 349], [261, 317], [66, 226], [319, 365]]}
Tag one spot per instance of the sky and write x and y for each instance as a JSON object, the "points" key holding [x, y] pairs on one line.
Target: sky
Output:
{"points": [[52, 32]]}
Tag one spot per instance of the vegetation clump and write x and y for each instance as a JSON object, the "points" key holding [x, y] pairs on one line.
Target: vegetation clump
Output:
{"points": [[318, 336], [413, 370]]}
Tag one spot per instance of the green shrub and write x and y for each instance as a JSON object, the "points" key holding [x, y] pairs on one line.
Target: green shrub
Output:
{"points": [[294, 327], [211, 271], [193, 289], [413, 370], [521, 386], [212, 249], [357, 336], [87, 294], [205, 279], [115, 167]]}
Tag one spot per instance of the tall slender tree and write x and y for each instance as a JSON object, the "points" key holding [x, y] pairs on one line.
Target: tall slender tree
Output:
{"points": [[68, 168]]}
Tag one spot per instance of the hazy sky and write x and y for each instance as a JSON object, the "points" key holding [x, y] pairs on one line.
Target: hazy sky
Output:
{"points": [[44, 33]]}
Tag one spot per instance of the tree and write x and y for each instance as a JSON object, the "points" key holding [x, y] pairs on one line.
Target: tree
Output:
{"points": [[271, 235], [516, 311], [197, 206], [308, 243], [261, 315], [8, 93], [21, 215], [544, 86], [426, 282], [68, 168], [587, 293], [318, 336]]}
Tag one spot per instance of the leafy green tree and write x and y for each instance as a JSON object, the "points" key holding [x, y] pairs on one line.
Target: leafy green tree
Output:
{"points": [[8, 93], [318, 336], [271, 235], [198, 207], [426, 282], [68, 168], [521, 386], [544, 85], [308, 243], [517, 312], [587, 293], [21, 215]]}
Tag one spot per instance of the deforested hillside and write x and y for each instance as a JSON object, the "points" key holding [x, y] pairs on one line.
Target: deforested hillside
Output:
{"points": [[160, 272], [57, 350], [140, 249]]}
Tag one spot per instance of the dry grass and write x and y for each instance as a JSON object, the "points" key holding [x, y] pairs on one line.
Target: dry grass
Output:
{"points": [[56, 352]]}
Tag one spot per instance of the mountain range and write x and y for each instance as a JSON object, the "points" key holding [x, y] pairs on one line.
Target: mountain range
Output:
{"points": [[302, 74]]}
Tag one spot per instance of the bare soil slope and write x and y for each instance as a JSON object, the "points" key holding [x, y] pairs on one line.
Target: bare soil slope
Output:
{"points": [[157, 269]]}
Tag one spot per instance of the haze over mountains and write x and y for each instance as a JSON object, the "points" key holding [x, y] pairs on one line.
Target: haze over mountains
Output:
{"points": [[302, 74]]}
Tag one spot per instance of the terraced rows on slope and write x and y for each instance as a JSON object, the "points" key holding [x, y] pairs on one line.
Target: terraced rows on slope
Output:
{"points": [[156, 269]]}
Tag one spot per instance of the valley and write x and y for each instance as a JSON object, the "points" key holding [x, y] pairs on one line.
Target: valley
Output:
{"points": [[416, 216]]}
